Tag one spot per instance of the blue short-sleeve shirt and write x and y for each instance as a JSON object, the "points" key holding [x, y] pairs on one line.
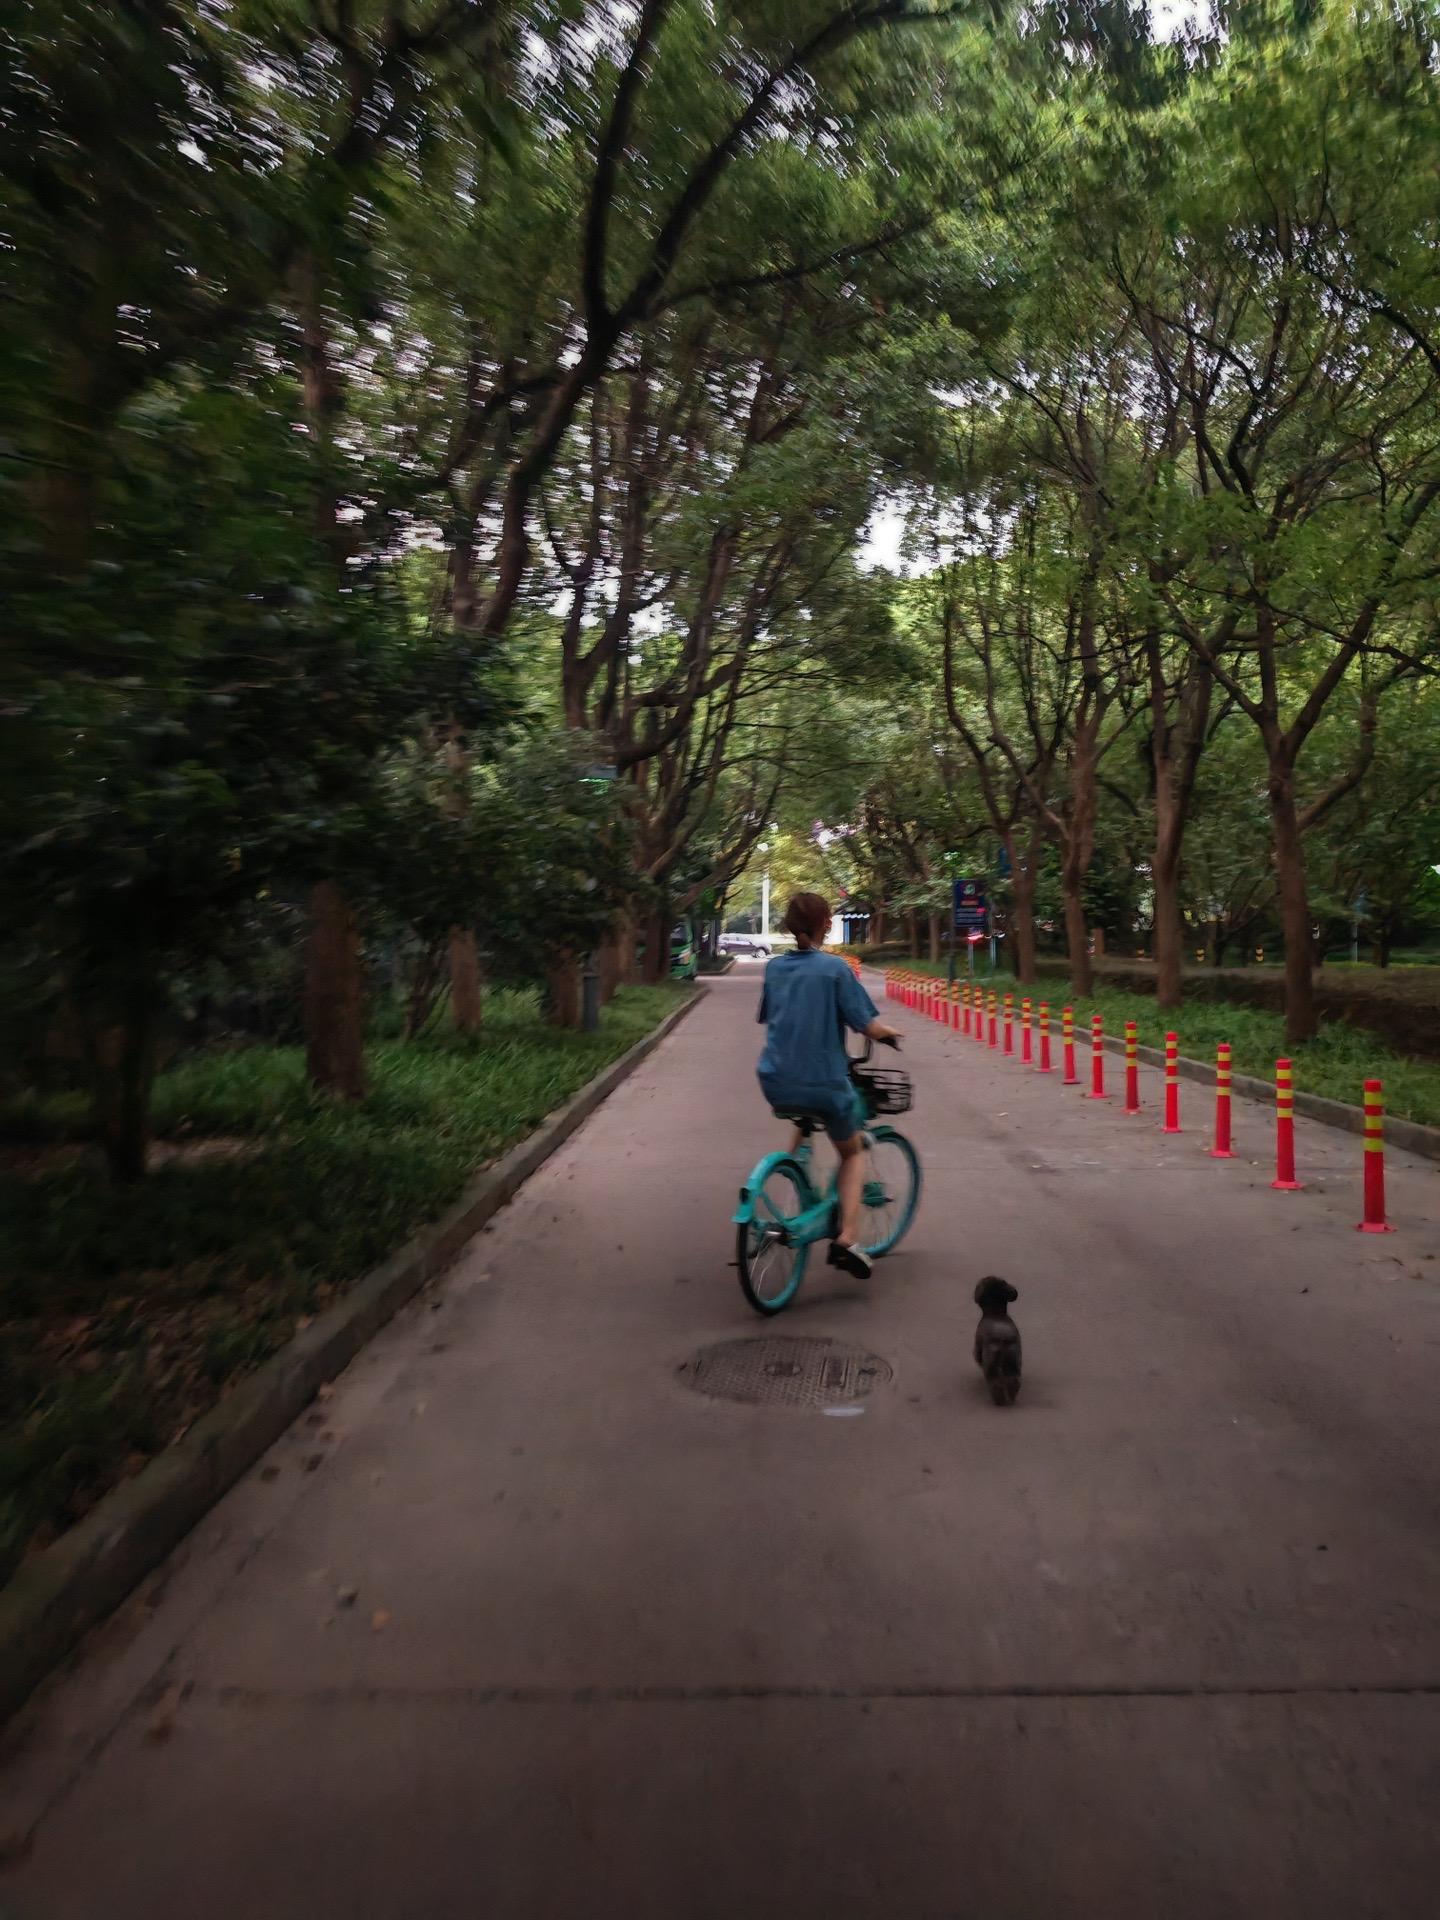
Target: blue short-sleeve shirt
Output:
{"points": [[808, 1001]]}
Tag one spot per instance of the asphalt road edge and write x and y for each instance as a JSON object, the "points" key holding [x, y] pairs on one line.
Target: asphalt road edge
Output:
{"points": [[58, 1596]]}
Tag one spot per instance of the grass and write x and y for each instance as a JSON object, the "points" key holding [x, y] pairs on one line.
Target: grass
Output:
{"points": [[1335, 1065], [125, 1313]]}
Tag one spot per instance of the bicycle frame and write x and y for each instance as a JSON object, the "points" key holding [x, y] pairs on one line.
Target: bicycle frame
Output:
{"points": [[803, 1228]]}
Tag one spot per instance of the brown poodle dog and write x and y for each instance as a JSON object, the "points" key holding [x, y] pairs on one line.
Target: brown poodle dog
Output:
{"points": [[997, 1340]]}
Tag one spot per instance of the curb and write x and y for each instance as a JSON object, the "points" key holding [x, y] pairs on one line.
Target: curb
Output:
{"points": [[67, 1589], [1409, 1136]]}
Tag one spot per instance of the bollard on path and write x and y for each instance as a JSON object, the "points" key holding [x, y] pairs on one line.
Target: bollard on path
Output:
{"points": [[1221, 1148], [1285, 1181], [1045, 1066], [994, 1013], [1097, 1059], [1009, 1023], [1172, 1084], [1374, 1221], [1132, 1070], [1026, 1053], [1067, 1038]]}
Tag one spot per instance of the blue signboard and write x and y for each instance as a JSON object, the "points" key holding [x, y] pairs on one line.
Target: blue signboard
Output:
{"points": [[972, 914]]}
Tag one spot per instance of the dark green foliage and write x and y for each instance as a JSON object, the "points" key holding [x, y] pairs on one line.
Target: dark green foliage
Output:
{"points": [[122, 1310]]}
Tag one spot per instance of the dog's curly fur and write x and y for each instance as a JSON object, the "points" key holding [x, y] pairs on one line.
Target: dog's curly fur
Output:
{"points": [[997, 1340]]}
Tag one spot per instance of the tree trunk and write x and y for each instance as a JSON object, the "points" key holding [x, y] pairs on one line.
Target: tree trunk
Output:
{"points": [[1169, 936], [425, 980], [913, 928], [1022, 916], [1077, 939], [608, 960], [562, 992], [619, 956], [465, 996], [1080, 847], [657, 947], [876, 930], [1301, 1020], [334, 996], [121, 1055], [934, 930]]}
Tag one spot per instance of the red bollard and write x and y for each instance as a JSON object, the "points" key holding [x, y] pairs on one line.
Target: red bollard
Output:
{"points": [[1067, 1036], [1172, 1084], [1045, 1066], [1097, 1059], [1009, 1023], [1285, 1181], [1026, 1055], [1132, 1070], [979, 1017], [993, 1010], [965, 1010], [1221, 1148], [1374, 1221]]}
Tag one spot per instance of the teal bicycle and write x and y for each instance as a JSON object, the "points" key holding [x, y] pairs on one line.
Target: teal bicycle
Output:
{"points": [[782, 1213]]}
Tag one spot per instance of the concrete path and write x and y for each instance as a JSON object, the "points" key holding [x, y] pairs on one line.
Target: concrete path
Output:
{"points": [[516, 1624]]}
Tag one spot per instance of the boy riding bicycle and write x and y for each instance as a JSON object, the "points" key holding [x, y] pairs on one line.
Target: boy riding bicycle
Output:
{"points": [[809, 999]]}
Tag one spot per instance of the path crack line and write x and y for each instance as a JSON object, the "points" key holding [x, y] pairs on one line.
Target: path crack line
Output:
{"points": [[538, 1696]]}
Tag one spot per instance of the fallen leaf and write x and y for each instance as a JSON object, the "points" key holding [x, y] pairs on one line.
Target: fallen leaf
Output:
{"points": [[347, 1596], [324, 1390], [379, 1620]]}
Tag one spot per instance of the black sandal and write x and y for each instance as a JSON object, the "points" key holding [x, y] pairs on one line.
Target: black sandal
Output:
{"points": [[851, 1260]]}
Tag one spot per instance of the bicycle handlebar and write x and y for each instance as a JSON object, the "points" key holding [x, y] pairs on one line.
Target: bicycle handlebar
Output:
{"points": [[892, 1041]]}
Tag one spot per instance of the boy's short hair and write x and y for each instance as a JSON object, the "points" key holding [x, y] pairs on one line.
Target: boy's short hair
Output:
{"points": [[808, 917]]}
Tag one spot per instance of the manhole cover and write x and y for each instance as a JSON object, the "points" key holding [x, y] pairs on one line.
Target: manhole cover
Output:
{"points": [[781, 1371]]}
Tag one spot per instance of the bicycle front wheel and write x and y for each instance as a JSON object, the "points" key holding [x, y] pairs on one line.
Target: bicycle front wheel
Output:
{"points": [[892, 1191], [771, 1263]]}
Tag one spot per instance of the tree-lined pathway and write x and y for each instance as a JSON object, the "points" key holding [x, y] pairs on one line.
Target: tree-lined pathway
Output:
{"points": [[516, 1623]]}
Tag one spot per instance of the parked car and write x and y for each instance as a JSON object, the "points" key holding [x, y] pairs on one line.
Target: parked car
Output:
{"points": [[749, 944]]}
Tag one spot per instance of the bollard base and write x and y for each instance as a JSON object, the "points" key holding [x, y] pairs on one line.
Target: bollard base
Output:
{"points": [[1221, 1153], [1096, 1096], [1132, 1109], [1172, 1129], [1374, 1226], [1288, 1186]]}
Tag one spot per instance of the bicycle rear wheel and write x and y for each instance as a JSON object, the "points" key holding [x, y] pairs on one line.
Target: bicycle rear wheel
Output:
{"points": [[771, 1264], [892, 1191]]}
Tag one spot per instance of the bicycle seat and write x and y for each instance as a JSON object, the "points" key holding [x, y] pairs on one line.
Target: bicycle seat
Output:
{"points": [[806, 1119]]}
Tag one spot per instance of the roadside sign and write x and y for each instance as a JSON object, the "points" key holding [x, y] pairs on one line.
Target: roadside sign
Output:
{"points": [[971, 912]]}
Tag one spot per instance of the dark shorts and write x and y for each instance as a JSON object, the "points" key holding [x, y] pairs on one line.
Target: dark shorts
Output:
{"points": [[840, 1107]]}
